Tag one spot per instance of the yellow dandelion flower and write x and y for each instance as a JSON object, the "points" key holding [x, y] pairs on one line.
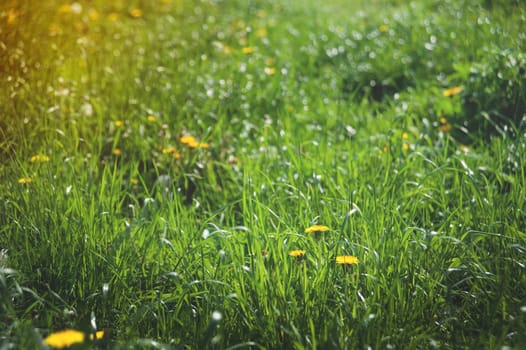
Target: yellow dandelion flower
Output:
{"points": [[114, 16], [347, 260], [270, 70], [152, 118], [443, 120], [136, 13], [203, 145], [134, 181], [116, 152], [261, 32], [452, 91], [383, 28], [187, 139], [169, 150], [405, 146], [93, 15], [297, 253], [66, 8], [64, 339], [316, 228], [25, 180], [227, 50], [248, 50], [119, 123], [193, 144], [39, 158], [405, 136], [177, 155], [444, 127], [69, 337], [98, 335], [11, 16]]}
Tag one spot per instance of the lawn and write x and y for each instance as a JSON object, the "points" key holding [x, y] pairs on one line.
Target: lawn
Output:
{"points": [[250, 174]]}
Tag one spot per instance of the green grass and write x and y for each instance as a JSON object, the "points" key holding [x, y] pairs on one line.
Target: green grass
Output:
{"points": [[336, 118]]}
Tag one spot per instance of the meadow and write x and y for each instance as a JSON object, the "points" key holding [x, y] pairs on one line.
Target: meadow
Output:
{"points": [[263, 174]]}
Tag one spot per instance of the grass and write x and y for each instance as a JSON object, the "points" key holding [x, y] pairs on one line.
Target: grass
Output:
{"points": [[299, 116]]}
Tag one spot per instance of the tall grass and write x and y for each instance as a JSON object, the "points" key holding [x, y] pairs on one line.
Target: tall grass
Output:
{"points": [[299, 116]]}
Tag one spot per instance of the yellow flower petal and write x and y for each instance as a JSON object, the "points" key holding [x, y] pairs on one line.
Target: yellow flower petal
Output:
{"points": [[98, 335], [270, 70], [39, 158], [169, 150], [68, 337], [383, 28], [188, 139], [316, 228], [297, 253], [452, 91], [262, 32], [444, 127], [136, 13], [66, 8], [25, 180], [346, 259], [113, 16], [247, 50], [64, 339]]}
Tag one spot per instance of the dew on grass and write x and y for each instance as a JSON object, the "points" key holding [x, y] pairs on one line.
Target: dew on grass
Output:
{"points": [[217, 316]]}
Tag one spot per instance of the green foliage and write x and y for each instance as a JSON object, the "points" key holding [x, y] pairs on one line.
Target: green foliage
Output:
{"points": [[494, 99], [161, 159]]}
